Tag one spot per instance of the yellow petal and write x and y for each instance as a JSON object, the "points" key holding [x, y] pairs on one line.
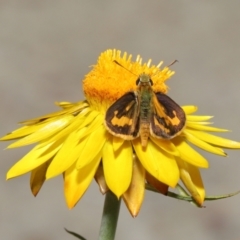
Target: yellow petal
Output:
{"points": [[201, 123], [38, 177], [88, 118], [21, 132], [133, 197], [33, 159], [117, 166], [157, 162], [192, 180], [117, 143], [188, 154], [166, 145], [189, 109], [196, 118], [100, 179], [159, 186], [215, 140], [205, 128], [76, 181], [67, 155], [93, 125], [201, 144], [66, 105], [45, 131], [76, 108], [77, 123], [93, 145]]}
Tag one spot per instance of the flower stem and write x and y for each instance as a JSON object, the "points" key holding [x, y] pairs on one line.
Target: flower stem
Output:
{"points": [[109, 217]]}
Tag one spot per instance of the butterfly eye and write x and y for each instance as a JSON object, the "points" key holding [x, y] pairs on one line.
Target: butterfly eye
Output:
{"points": [[138, 81]]}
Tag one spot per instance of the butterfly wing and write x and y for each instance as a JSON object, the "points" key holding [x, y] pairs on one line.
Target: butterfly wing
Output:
{"points": [[122, 117], [168, 118]]}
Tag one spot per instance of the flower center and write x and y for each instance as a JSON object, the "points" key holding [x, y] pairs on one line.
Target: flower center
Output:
{"points": [[108, 81]]}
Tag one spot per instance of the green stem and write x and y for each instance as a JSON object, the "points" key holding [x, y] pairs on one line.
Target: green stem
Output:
{"points": [[109, 217]]}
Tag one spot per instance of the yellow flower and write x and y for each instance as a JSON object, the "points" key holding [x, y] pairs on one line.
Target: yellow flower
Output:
{"points": [[75, 142]]}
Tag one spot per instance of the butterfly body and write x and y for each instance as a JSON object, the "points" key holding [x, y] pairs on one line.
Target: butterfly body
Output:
{"points": [[143, 113], [144, 94]]}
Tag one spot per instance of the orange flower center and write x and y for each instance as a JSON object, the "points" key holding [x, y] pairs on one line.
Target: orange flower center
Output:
{"points": [[108, 81]]}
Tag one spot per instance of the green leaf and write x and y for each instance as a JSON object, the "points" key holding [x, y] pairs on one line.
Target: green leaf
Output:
{"points": [[75, 234], [184, 196], [212, 198]]}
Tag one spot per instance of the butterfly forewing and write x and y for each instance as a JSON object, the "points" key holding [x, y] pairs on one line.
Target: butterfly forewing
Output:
{"points": [[122, 117], [168, 118]]}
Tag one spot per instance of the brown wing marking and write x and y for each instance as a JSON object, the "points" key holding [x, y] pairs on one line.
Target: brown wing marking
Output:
{"points": [[122, 117], [168, 118]]}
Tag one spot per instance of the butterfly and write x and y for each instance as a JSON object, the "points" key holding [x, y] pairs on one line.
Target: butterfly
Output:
{"points": [[144, 112]]}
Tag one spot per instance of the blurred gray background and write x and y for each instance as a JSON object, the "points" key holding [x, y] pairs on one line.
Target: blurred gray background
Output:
{"points": [[46, 48]]}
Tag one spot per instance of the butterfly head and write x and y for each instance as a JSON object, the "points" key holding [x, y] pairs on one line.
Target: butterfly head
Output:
{"points": [[144, 80]]}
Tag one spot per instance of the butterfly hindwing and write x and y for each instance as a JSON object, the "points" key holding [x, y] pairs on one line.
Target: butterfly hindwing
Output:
{"points": [[122, 117], [168, 118]]}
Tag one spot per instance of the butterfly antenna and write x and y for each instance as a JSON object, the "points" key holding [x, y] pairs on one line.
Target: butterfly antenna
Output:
{"points": [[167, 66], [123, 67], [172, 63]]}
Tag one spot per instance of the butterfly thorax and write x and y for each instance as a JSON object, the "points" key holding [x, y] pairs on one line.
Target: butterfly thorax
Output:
{"points": [[145, 95]]}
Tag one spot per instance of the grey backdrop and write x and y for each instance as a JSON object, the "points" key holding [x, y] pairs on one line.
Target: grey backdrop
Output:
{"points": [[46, 48]]}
